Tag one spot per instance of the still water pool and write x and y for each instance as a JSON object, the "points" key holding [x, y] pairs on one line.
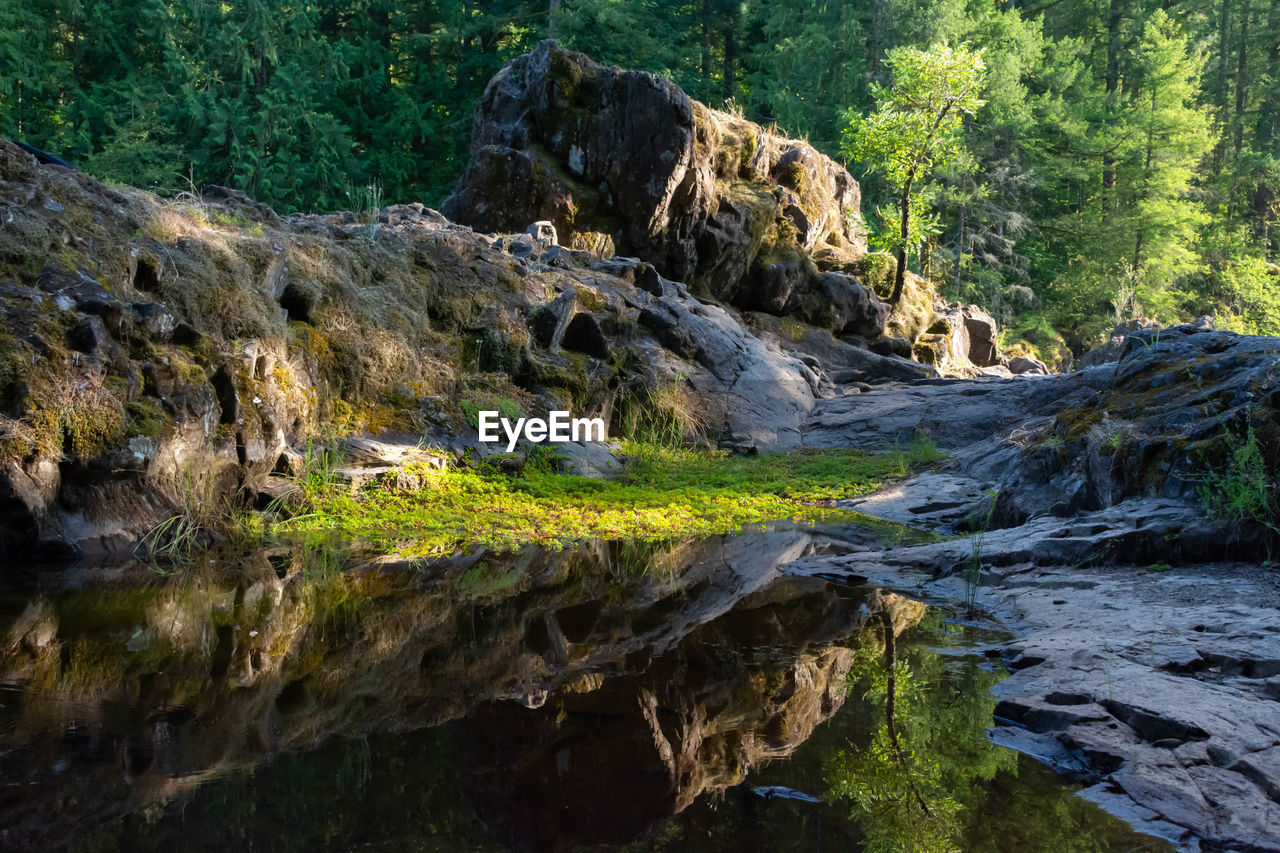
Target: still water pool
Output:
{"points": [[683, 696]]}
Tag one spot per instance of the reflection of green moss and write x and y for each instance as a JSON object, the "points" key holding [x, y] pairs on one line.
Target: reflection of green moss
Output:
{"points": [[481, 580]]}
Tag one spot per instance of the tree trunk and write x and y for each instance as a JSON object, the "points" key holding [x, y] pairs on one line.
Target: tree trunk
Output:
{"points": [[900, 274], [1224, 36], [706, 49], [1267, 128], [1114, 46], [730, 54], [1242, 70], [552, 9], [891, 681], [382, 27], [1146, 182], [875, 41]]}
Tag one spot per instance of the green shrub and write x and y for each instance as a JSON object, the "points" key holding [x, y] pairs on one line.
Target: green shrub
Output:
{"points": [[1242, 489]]}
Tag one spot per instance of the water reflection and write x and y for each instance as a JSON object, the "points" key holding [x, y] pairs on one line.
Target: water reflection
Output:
{"points": [[617, 695]]}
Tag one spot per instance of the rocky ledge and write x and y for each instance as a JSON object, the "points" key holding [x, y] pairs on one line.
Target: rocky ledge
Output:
{"points": [[1147, 657]]}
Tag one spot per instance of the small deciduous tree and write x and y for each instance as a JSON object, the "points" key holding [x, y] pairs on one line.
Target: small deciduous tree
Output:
{"points": [[915, 131]]}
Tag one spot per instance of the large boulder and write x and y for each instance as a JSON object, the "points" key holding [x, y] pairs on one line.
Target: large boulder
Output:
{"points": [[753, 393], [982, 334], [706, 197]]}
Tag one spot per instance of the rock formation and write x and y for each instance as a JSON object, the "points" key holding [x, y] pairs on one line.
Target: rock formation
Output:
{"points": [[742, 215], [159, 358], [1127, 513]]}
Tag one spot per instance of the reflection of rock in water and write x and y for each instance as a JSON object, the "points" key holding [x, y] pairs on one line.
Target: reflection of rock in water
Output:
{"points": [[115, 698], [612, 760]]}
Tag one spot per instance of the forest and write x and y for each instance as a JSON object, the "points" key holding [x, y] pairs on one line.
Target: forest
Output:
{"points": [[1122, 164]]}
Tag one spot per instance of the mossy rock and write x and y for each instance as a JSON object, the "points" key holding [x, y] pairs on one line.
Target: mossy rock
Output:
{"points": [[1053, 351], [491, 351], [914, 316], [932, 350], [145, 418], [596, 242], [876, 270]]}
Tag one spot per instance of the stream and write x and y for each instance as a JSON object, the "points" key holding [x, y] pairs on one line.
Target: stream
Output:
{"points": [[676, 696]]}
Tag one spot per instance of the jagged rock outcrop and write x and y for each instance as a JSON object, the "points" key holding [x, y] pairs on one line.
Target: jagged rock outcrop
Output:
{"points": [[706, 197], [160, 359], [1181, 410], [1150, 684]]}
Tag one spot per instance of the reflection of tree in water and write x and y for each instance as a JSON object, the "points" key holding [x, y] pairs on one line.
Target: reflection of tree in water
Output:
{"points": [[911, 783]]}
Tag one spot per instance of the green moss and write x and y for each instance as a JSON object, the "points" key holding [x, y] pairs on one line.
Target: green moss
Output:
{"points": [[505, 407], [1036, 337], [144, 418], [931, 350], [482, 580], [539, 371], [876, 270], [491, 351], [591, 300], [88, 431], [1074, 424], [566, 73], [746, 152], [204, 350], [661, 494], [793, 176]]}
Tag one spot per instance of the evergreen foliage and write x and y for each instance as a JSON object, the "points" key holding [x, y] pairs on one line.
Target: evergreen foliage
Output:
{"points": [[1125, 160]]}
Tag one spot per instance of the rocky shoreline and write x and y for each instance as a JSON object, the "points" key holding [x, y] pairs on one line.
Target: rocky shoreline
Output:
{"points": [[1146, 662]]}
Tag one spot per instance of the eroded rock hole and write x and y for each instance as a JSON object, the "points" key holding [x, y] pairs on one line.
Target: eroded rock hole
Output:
{"points": [[221, 661], [297, 303], [146, 276], [293, 697], [583, 335], [225, 389], [13, 398]]}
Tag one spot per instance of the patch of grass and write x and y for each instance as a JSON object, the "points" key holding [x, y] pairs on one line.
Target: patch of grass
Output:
{"points": [[664, 415], [319, 464], [977, 542], [366, 202], [662, 493], [505, 406], [1240, 490], [201, 513]]}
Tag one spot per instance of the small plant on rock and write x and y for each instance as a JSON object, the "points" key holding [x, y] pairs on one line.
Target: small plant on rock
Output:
{"points": [[1241, 490]]}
